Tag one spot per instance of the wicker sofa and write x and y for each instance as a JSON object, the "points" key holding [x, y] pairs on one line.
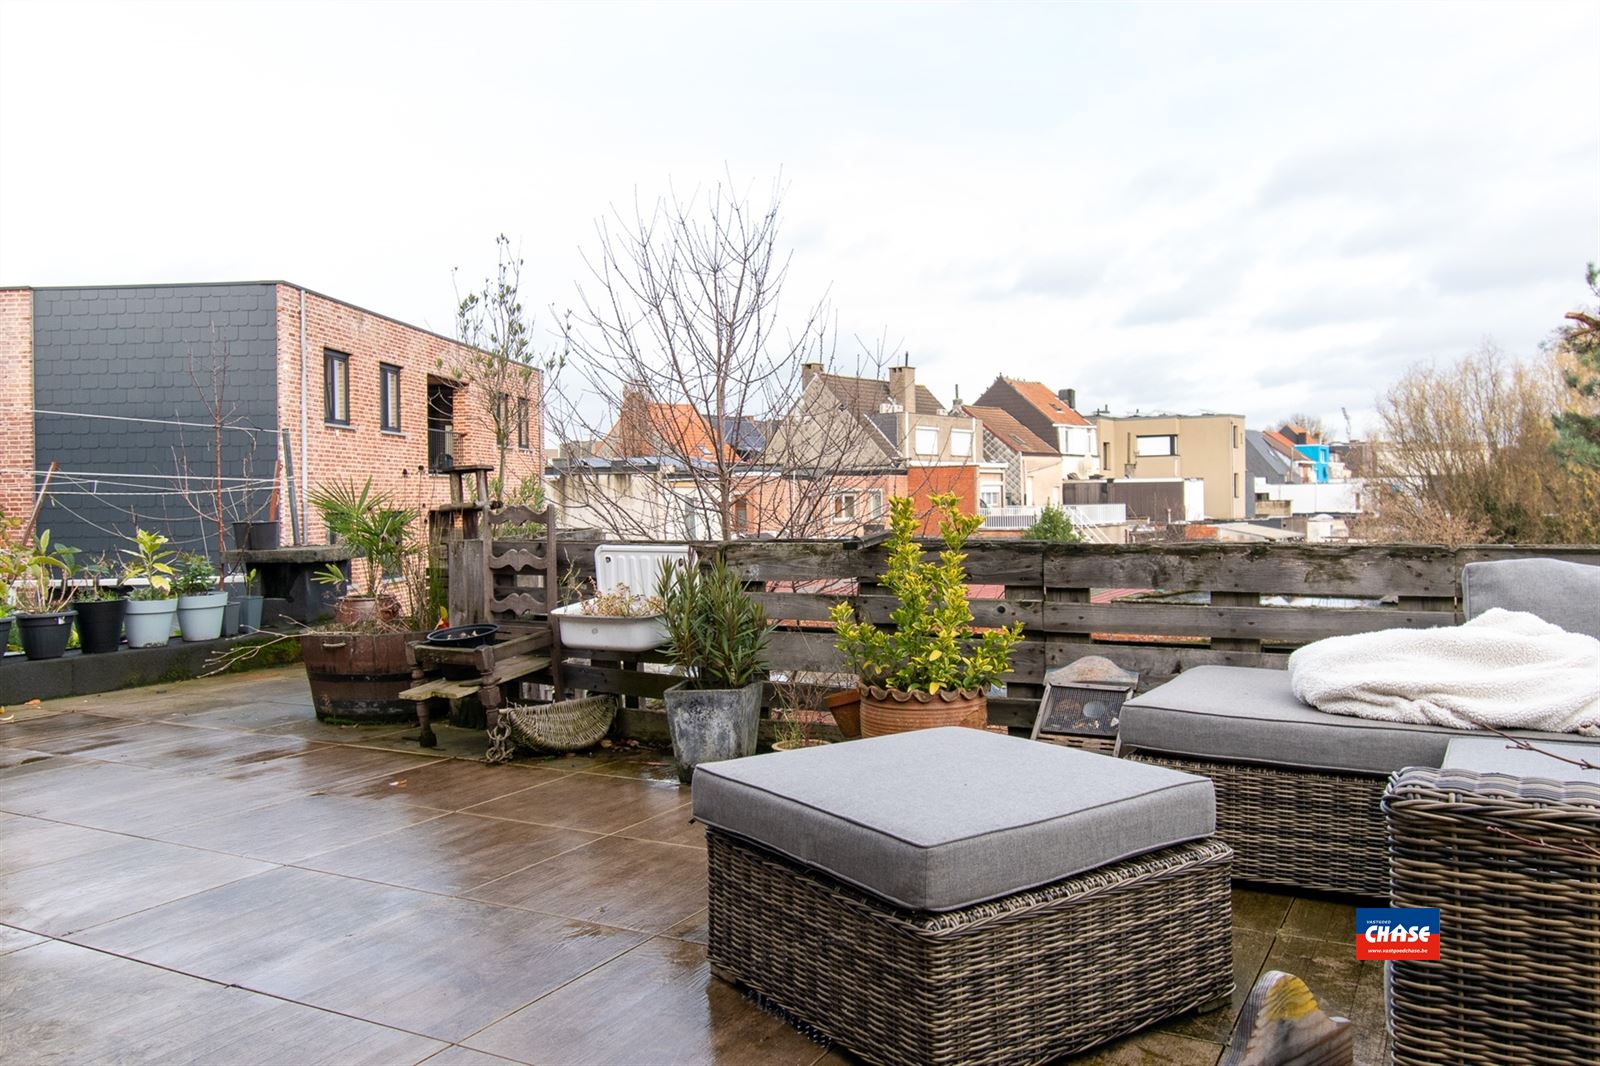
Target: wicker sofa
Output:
{"points": [[1299, 791], [1506, 844]]}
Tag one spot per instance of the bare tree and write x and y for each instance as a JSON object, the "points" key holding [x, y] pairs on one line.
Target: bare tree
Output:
{"points": [[1466, 452], [1312, 424], [499, 363], [684, 364]]}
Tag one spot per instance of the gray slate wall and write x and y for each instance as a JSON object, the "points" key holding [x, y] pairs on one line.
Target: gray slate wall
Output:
{"points": [[124, 353]]}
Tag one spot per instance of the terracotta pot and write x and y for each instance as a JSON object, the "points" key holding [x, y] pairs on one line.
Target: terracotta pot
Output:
{"points": [[885, 711], [845, 706], [796, 745], [355, 609]]}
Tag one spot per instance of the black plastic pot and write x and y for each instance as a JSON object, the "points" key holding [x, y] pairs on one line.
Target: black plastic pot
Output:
{"points": [[255, 536], [473, 636], [100, 625], [45, 636]]}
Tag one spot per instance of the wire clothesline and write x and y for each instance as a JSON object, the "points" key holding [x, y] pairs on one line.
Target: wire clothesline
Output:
{"points": [[252, 430]]}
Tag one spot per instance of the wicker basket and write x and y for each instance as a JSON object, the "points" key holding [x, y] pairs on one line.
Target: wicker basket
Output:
{"points": [[570, 725]]}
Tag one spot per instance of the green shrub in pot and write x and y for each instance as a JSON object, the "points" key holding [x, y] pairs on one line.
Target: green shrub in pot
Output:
{"points": [[717, 639], [102, 607], [151, 605], [200, 602], [933, 668], [39, 576]]}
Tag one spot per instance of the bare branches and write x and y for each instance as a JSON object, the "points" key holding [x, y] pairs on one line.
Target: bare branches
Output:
{"points": [[684, 365]]}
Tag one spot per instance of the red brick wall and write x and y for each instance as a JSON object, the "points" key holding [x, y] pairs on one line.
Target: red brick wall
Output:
{"points": [[16, 402], [925, 482], [397, 463]]}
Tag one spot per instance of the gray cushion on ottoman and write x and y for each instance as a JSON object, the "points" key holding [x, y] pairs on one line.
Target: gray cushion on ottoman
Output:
{"points": [[940, 819], [1492, 755], [1246, 714], [1562, 593]]}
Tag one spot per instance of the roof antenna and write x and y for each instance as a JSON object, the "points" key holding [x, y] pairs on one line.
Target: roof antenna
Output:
{"points": [[908, 358]]}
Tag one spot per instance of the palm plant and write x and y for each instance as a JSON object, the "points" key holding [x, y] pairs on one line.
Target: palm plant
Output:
{"points": [[369, 522]]}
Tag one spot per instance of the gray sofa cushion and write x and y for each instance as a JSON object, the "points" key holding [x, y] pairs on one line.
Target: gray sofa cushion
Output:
{"points": [[1562, 593], [940, 819], [1244, 714], [1491, 755]]}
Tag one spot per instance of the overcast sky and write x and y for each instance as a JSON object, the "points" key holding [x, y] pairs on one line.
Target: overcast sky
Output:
{"points": [[1244, 208]]}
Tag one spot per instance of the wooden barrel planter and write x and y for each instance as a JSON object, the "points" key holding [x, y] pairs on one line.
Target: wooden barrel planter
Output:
{"points": [[358, 677], [885, 711]]}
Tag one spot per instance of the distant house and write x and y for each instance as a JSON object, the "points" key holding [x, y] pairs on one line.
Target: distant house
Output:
{"points": [[636, 497], [1053, 418], [1020, 473], [1206, 446], [109, 383], [893, 436]]}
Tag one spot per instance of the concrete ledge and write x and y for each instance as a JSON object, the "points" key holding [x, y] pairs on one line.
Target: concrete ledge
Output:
{"points": [[77, 674]]}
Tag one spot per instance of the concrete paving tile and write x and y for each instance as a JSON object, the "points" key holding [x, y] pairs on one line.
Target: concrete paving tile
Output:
{"points": [[663, 1005], [60, 1003], [432, 964], [590, 802], [448, 784], [631, 884]]}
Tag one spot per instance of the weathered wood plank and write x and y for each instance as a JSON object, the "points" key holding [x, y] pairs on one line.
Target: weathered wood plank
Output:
{"points": [[1287, 569], [1291, 625]]}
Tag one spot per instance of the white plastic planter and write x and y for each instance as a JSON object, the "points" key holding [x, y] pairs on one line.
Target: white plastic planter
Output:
{"points": [[200, 617], [595, 632], [149, 622]]}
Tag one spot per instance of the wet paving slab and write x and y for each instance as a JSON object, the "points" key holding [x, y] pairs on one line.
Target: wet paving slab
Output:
{"points": [[203, 872]]}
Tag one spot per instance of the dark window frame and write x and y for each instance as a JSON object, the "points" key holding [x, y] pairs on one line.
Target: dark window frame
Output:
{"points": [[335, 373], [522, 423], [389, 419]]}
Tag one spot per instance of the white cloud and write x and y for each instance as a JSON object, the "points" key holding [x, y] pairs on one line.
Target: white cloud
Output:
{"points": [[1255, 208]]}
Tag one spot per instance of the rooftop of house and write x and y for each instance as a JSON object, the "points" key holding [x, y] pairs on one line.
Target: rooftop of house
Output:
{"points": [[1012, 434], [867, 396], [1166, 414], [1039, 394]]}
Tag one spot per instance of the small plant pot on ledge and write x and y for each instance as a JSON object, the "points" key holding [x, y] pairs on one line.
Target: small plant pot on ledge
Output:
{"points": [[250, 616], [149, 622], [45, 636], [200, 616], [845, 706], [885, 711], [712, 724], [100, 625]]}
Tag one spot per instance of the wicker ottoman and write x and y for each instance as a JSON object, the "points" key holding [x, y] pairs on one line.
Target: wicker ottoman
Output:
{"points": [[957, 896], [1507, 845]]}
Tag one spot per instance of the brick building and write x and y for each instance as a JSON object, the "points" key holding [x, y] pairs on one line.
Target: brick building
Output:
{"points": [[111, 384]]}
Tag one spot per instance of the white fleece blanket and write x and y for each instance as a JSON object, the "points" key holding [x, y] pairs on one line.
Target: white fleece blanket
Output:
{"points": [[1508, 669]]}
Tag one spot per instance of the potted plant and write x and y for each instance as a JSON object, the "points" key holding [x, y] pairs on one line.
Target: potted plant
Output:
{"points": [[932, 669], [250, 612], [43, 598], [618, 620], [379, 532], [717, 640], [151, 605], [200, 602], [798, 713], [101, 608], [357, 667]]}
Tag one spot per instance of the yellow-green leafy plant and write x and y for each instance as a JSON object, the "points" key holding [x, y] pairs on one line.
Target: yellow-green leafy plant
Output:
{"points": [[151, 561], [933, 646]]}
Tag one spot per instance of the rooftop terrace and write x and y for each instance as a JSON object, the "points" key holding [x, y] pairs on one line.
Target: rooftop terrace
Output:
{"points": [[201, 872]]}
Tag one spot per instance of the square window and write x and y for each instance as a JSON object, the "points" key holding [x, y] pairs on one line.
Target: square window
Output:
{"points": [[927, 440], [844, 507], [335, 387], [389, 397], [960, 442]]}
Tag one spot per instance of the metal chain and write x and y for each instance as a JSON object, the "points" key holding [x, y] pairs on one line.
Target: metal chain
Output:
{"points": [[501, 746]]}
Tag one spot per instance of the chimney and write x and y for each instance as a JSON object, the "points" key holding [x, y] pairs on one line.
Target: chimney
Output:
{"points": [[903, 387], [809, 373], [1068, 397]]}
